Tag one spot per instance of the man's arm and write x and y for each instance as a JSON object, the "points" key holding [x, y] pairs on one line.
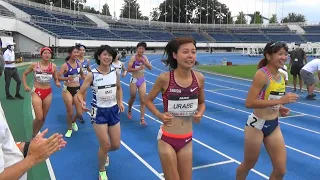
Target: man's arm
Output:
{"points": [[7, 58], [1, 64], [17, 170], [304, 57]]}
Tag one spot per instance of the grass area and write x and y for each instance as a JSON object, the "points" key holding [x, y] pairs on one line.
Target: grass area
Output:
{"points": [[19, 117], [243, 71]]}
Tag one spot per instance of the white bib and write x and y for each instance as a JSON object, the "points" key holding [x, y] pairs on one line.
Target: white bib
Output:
{"points": [[106, 93], [43, 77], [182, 106], [274, 96], [85, 70], [255, 122], [75, 78]]}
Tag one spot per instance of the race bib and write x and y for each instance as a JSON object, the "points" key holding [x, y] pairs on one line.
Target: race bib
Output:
{"points": [[274, 96], [85, 70], [159, 134], [93, 112], [182, 106], [133, 80], [75, 78], [43, 77], [64, 88], [106, 93], [254, 121]]}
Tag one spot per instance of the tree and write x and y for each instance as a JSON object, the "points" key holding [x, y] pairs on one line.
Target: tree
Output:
{"points": [[105, 10], [193, 11], [155, 14], [241, 19], [131, 10], [65, 3], [90, 10], [293, 17], [273, 19], [256, 18]]}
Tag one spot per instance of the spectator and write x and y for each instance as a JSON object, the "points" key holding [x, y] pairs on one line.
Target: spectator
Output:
{"points": [[10, 70], [13, 165], [284, 73], [1, 62], [307, 74], [298, 59]]}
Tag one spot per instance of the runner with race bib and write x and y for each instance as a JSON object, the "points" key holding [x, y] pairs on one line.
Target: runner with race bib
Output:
{"points": [[183, 101], [266, 96], [85, 64], [72, 72], [106, 104], [136, 66], [41, 93]]}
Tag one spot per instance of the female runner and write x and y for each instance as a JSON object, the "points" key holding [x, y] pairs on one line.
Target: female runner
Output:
{"points": [[183, 100], [136, 67], [71, 71], [44, 71], [119, 66], [85, 64], [106, 104], [266, 96]]}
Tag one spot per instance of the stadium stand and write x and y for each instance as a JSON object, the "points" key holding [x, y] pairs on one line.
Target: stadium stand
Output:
{"points": [[72, 25]]}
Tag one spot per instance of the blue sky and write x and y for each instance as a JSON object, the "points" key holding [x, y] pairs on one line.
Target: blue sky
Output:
{"points": [[310, 8]]}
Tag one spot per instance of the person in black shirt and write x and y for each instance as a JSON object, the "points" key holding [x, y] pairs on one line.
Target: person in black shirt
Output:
{"points": [[298, 59]]}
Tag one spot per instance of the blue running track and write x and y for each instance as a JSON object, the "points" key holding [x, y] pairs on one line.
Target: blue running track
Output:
{"points": [[218, 139]]}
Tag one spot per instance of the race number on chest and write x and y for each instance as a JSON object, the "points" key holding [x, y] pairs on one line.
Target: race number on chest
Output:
{"points": [[274, 96], [182, 105], [107, 93]]}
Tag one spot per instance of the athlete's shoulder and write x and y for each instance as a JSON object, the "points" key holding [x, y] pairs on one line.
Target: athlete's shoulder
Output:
{"points": [[261, 76], [34, 64], [260, 73], [94, 70], [199, 75], [53, 65], [145, 57], [164, 75]]}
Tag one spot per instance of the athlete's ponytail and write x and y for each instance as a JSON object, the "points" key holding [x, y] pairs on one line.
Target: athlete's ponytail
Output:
{"points": [[70, 49], [263, 62], [67, 58], [271, 48]]}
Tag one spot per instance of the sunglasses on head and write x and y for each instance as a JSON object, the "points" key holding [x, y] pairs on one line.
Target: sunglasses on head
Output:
{"points": [[278, 44]]}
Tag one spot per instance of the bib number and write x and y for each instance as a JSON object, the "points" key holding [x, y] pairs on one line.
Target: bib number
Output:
{"points": [[133, 80], [274, 96], [255, 122], [182, 106], [107, 94], [93, 112], [75, 78], [85, 70], [64, 88], [43, 78], [159, 134]]}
